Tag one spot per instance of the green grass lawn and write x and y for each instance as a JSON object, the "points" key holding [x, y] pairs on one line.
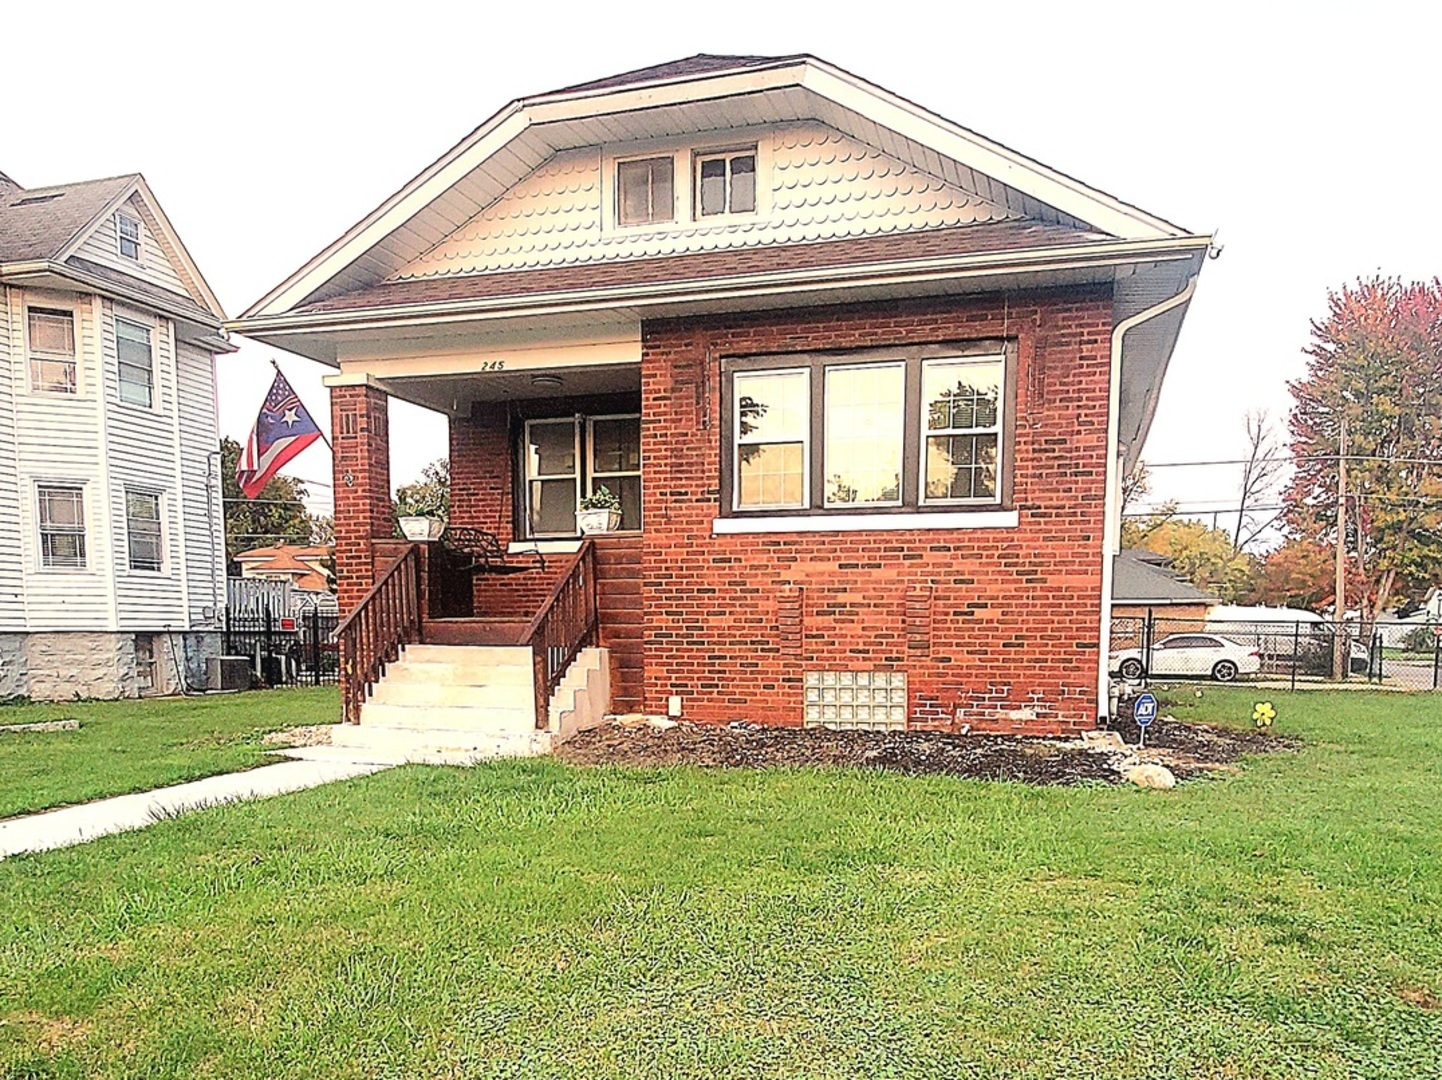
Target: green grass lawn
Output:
{"points": [[125, 746], [529, 919]]}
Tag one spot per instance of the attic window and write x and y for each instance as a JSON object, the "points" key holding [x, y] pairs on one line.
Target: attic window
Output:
{"points": [[127, 229], [644, 191], [36, 200], [726, 184]]}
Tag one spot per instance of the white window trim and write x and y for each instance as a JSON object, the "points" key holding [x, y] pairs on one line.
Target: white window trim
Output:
{"points": [[159, 496], [826, 417], [615, 201], [30, 384], [925, 433], [529, 479], [683, 150], [590, 448], [150, 333], [39, 531], [728, 214], [736, 442], [826, 523], [121, 215]]}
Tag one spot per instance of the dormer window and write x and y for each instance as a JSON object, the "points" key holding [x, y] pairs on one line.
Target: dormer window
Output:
{"points": [[128, 230], [726, 183], [645, 191]]}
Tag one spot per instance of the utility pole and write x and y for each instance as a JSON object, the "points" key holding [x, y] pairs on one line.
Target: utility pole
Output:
{"points": [[1339, 604]]}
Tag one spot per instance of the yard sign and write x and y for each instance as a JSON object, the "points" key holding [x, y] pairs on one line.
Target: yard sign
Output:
{"points": [[1144, 712]]}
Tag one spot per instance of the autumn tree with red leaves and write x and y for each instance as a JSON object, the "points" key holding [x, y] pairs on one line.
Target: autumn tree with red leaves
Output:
{"points": [[1375, 360]]}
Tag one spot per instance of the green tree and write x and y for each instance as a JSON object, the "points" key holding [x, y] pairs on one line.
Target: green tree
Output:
{"points": [[1202, 555], [277, 515], [1375, 363], [432, 492]]}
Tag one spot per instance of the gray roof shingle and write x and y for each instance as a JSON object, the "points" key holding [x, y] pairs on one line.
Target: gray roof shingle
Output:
{"points": [[700, 64], [38, 223], [1141, 577]]}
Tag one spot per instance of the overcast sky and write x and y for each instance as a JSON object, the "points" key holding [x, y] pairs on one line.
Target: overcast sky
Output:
{"points": [[1304, 137]]}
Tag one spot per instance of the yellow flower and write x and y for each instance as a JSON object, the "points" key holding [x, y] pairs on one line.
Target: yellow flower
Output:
{"points": [[1263, 714]]}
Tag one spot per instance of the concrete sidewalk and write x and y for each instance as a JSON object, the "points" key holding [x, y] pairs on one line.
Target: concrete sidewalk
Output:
{"points": [[77, 824]]}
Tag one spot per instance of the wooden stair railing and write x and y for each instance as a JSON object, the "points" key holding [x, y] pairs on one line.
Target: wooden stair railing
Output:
{"points": [[567, 623], [371, 636]]}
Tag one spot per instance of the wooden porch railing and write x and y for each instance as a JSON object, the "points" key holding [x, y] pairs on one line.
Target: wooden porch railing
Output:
{"points": [[567, 623], [371, 636]]}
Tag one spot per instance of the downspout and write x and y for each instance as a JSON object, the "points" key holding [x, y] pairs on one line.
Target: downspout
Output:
{"points": [[1111, 528]]}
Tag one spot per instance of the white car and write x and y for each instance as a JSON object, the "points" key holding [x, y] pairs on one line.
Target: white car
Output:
{"points": [[1190, 655]]}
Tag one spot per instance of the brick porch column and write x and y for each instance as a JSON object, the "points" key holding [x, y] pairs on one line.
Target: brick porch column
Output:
{"points": [[360, 433]]}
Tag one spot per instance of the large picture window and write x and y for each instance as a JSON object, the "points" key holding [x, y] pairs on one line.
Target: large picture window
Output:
{"points": [[880, 431]]}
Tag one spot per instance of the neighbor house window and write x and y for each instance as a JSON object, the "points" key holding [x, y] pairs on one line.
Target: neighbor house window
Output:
{"points": [[62, 525], [132, 347], [52, 350], [726, 183], [142, 529], [644, 191], [892, 430], [127, 229], [772, 431]]}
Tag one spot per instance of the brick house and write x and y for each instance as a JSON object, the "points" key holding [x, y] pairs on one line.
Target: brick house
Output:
{"points": [[864, 382]]}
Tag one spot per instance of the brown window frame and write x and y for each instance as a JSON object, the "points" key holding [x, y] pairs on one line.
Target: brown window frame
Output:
{"points": [[912, 356]]}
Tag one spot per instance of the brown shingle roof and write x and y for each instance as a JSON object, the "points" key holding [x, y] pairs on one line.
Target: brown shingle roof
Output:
{"points": [[38, 223], [700, 64], [960, 240]]}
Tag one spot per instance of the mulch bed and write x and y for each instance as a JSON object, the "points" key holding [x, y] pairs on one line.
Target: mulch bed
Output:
{"points": [[752, 746], [1189, 749]]}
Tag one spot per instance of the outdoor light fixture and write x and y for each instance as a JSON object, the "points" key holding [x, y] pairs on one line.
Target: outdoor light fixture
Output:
{"points": [[548, 382]]}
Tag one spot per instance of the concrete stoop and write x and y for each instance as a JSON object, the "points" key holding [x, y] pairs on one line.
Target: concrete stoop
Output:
{"points": [[447, 704]]}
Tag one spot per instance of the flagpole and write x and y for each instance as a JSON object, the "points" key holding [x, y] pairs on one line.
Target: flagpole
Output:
{"points": [[275, 364]]}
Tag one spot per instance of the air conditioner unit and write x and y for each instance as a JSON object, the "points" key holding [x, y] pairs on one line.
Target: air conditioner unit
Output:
{"points": [[227, 672]]}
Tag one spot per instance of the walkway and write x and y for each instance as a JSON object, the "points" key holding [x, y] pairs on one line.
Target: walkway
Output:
{"points": [[77, 824]]}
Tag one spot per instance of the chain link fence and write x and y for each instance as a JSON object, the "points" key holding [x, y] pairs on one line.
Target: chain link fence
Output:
{"points": [[1295, 653]]}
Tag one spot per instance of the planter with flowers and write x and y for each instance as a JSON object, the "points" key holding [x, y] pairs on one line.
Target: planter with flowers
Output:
{"points": [[600, 512], [420, 515]]}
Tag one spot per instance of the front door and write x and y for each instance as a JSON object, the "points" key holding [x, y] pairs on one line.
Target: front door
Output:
{"points": [[569, 458]]}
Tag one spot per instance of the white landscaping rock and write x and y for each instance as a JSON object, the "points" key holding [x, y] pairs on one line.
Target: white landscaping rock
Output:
{"points": [[1158, 777], [660, 723]]}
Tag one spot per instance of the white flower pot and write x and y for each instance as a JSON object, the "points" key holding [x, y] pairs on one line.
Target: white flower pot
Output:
{"points": [[597, 521], [422, 528]]}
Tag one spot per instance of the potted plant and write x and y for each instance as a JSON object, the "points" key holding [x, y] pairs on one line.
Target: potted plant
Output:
{"points": [[420, 515], [600, 512]]}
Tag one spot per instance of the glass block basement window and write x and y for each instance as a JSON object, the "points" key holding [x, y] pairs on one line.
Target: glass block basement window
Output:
{"points": [[861, 700]]}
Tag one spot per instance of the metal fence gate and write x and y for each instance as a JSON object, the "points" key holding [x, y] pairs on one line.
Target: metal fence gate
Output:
{"points": [[285, 649]]}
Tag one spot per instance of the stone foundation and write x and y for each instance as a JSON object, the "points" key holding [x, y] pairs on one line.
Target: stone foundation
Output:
{"points": [[67, 665]]}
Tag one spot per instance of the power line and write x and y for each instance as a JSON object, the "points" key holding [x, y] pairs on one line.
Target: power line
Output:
{"points": [[1290, 458]]}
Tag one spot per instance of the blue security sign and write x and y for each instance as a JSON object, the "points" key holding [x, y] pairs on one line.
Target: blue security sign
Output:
{"points": [[1145, 710]]}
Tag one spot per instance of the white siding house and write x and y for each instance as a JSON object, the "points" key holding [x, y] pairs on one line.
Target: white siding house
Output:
{"points": [[111, 539]]}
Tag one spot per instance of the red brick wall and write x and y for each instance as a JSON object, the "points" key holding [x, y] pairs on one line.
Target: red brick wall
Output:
{"points": [[997, 628], [360, 435]]}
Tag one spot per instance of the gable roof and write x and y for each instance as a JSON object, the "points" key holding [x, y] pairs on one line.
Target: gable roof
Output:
{"points": [[1143, 577], [682, 97], [42, 228], [700, 64], [284, 559]]}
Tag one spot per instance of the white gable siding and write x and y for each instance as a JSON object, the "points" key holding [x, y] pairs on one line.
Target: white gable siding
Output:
{"points": [[141, 445], [58, 438], [199, 436], [103, 444], [12, 580], [103, 246], [815, 184]]}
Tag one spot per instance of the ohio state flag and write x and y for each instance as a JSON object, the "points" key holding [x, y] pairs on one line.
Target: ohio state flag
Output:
{"points": [[282, 430]]}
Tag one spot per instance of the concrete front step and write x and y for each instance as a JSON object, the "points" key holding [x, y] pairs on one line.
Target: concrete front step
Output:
{"points": [[493, 719], [440, 694], [500, 655], [396, 744], [435, 673]]}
